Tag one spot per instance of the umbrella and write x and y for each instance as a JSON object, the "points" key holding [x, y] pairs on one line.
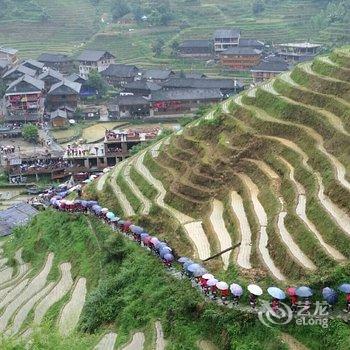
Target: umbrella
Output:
{"points": [[84, 203], [168, 257], [222, 285], [154, 240], [200, 272], [115, 219], [193, 267], [104, 210], [212, 282], [91, 203], [136, 229], [110, 215], [96, 207], [207, 276], [144, 235], [276, 293], [188, 263], [255, 289], [164, 251], [183, 259], [160, 245], [303, 292], [291, 291], [345, 288], [330, 295], [236, 290], [146, 240], [127, 224]]}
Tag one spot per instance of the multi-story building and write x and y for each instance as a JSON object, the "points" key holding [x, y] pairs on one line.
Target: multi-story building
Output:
{"points": [[226, 38], [120, 74], [56, 61], [240, 58], [63, 94], [298, 52], [196, 48], [268, 69], [94, 60]]}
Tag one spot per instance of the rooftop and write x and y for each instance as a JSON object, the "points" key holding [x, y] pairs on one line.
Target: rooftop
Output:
{"points": [[244, 51], [51, 57], [92, 55], [121, 70], [4, 63], [129, 100], [33, 63], [22, 69], [186, 94], [251, 43], [36, 83], [51, 73], [142, 84], [273, 66], [58, 113], [303, 45], [200, 83], [158, 74], [195, 43], [8, 50], [75, 87]]}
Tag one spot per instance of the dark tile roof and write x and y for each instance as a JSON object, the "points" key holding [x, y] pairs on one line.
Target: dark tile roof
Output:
{"points": [[195, 43], [37, 84], [186, 94], [199, 83], [158, 74], [56, 89], [244, 51], [50, 57], [8, 50], [33, 63], [92, 55], [251, 43], [22, 117], [19, 214], [61, 113], [121, 70], [142, 84], [21, 69], [271, 66], [227, 33], [76, 78], [130, 100], [51, 73], [4, 63]]}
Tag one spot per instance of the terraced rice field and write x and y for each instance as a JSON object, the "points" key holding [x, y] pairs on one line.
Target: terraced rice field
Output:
{"points": [[269, 172]]}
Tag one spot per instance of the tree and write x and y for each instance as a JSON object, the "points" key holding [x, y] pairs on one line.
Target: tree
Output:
{"points": [[174, 47], [158, 47], [3, 88], [120, 8], [30, 133], [96, 82], [257, 7]]}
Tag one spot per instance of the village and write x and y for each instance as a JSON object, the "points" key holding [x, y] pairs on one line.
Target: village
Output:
{"points": [[56, 92]]}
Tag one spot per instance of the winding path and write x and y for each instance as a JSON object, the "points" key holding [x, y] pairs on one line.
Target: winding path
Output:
{"points": [[160, 342]]}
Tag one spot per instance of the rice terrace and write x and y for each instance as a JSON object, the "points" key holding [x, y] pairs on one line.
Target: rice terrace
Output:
{"points": [[175, 175]]}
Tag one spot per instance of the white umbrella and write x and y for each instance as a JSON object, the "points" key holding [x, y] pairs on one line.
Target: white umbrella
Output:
{"points": [[222, 285], [106, 170], [212, 282], [104, 210], [254, 289], [208, 276], [71, 121]]}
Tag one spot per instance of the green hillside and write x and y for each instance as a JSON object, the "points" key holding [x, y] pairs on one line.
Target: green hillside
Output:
{"points": [[40, 25]]}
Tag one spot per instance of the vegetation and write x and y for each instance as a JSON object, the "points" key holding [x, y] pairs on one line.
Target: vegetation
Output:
{"points": [[30, 133]]}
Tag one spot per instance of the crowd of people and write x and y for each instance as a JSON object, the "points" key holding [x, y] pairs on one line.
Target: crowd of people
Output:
{"points": [[299, 298]]}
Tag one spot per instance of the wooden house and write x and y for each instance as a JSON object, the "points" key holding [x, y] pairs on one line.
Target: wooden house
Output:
{"points": [[157, 75], [56, 61], [129, 106], [94, 59], [50, 77], [141, 87], [17, 72], [268, 69], [120, 74], [9, 54], [226, 38], [35, 65], [59, 118], [64, 93], [196, 48], [240, 58]]}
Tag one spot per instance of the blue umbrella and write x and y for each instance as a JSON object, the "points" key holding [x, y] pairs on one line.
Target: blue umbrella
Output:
{"points": [[160, 245], [168, 257], [91, 203], [115, 219], [136, 229], [144, 234], [187, 263], [276, 293], [164, 252], [330, 295], [121, 222], [183, 259], [303, 292], [84, 203], [199, 272], [345, 288], [193, 267], [110, 215]]}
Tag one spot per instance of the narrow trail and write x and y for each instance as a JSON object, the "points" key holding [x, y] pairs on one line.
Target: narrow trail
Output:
{"points": [[218, 224], [244, 252], [160, 341], [146, 203], [123, 201], [107, 342], [34, 287], [327, 60], [337, 214], [301, 212], [262, 219], [23, 312], [292, 343], [101, 182], [58, 292], [338, 167], [137, 342], [265, 168], [70, 313]]}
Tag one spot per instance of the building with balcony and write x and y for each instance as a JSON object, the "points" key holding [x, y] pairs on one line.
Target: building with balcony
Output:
{"points": [[226, 38], [240, 58]]}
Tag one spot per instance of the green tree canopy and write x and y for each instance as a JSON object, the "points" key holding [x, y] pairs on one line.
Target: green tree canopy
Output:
{"points": [[120, 8], [30, 133], [96, 81]]}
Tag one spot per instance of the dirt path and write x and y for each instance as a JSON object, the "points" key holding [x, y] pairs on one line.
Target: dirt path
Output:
{"points": [[265, 168], [123, 201], [58, 292], [243, 257], [107, 342], [23, 311], [292, 343], [301, 212], [206, 345], [262, 219], [70, 314], [101, 182], [34, 287], [160, 342], [137, 342], [219, 227], [146, 203]]}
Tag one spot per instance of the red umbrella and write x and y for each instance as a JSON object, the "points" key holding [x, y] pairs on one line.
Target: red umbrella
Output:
{"points": [[291, 291], [126, 225]]}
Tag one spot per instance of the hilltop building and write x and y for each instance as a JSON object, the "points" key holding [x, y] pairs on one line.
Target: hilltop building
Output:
{"points": [[56, 61], [226, 38], [240, 58], [298, 52], [93, 59]]}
